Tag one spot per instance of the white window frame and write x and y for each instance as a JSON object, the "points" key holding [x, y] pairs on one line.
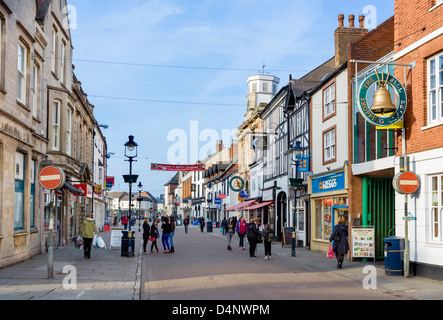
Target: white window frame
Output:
{"points": [[54, 50], [435, 89], [35, 89], [329, 100], [68, 131], [56, 125], [62, 61], [436, 212], [329, 145], [22, 57]]}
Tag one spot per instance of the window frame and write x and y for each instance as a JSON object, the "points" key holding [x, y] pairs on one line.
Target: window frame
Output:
{"points": [[19, 191], [56, 125], [334, 145], [437, 90], [332, 101], [436, 225], [69, 113], [22, 62]]}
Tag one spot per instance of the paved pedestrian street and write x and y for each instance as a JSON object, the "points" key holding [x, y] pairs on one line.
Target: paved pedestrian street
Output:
{"points": [[203, 269]]}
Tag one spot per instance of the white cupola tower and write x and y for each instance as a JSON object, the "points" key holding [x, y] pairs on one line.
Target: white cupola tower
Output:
{"points": [[261, 89]]}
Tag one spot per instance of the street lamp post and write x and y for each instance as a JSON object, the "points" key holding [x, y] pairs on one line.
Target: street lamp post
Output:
{"points": [[130, 153], [296, 151]]}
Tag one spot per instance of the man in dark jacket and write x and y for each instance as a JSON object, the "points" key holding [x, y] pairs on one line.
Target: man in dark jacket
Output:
{"points": [[146, 234], [252, 238]]}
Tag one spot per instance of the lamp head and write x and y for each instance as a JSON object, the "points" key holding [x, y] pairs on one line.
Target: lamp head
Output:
{"points": [[131, 144]]}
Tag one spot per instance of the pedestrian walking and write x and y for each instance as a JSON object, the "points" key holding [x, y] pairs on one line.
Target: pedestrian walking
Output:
{"points": [[252, 238], [146, 234], [154, 235], [224, 225], [125, 222], [171, 234], [340, 237], [241, 230], [230, 230], [202, 223], [87, 230], [268, 235], [166, 230], [186, 223]]}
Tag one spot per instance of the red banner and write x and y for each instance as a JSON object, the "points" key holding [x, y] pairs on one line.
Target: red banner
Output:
{"points": [[177, 167]]}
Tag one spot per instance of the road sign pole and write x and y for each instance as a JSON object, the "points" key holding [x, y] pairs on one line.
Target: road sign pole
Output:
{"points": [[50, 239], [406, 252]]}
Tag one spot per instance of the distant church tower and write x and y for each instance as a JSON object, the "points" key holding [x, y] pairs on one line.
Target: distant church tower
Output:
{"points": [[261, 89]]}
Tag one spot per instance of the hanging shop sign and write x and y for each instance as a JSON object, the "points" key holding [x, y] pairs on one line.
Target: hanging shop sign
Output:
{"points": [[180, 168], [383, 112], [237, 184]]}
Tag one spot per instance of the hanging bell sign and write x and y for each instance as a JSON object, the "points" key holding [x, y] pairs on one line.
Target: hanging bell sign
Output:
{"points": [[383, 111], [382, 99]]}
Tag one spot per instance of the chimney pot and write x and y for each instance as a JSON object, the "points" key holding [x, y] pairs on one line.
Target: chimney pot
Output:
{"points": [[361, 19], [341, 18], [351, 20]]}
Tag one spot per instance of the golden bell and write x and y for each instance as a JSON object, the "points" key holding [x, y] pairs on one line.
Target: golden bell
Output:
{"points": [[382, 102]]}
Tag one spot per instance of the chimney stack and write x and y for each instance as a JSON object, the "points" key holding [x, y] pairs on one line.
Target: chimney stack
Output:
{"points": [[351, 21], [346, 35], [361, 19]]}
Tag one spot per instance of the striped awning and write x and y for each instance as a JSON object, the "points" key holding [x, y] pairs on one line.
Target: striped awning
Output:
{"points": [[240, 206]]}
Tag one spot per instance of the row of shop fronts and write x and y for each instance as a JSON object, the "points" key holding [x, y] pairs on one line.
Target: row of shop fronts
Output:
{"points": [[323, 147], [46, 120]]}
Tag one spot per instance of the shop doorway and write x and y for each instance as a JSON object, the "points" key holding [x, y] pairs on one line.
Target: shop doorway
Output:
{"points": [[281, 214]]}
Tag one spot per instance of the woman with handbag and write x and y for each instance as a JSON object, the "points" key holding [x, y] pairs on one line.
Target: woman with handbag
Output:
{"points": [[154, 235], [340, 237]]}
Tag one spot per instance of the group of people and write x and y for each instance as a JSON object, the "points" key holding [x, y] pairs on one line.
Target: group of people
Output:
{"points": [[251, 232], [151, 233]]}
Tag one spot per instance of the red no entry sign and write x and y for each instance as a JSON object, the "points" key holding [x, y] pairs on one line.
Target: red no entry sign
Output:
{"points": [[52, 178], [406, 182]]}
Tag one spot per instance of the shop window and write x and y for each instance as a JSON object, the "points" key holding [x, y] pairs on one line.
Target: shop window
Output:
{"points": [[436, 208], [19, 192]]}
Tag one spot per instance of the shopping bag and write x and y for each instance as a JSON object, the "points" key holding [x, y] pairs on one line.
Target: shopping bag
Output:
{"points": [[101, 243], [94, 242], [330, 252], [79, 242]]}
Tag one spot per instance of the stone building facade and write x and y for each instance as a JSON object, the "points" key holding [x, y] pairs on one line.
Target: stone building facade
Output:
{"points": [[45, 119]]}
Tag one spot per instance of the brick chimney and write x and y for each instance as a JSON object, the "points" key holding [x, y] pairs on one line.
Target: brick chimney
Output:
{"points": [[219, 146], [345, 35]]}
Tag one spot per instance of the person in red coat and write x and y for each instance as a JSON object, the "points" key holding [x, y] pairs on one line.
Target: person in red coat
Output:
{"points": [[125, 222]]}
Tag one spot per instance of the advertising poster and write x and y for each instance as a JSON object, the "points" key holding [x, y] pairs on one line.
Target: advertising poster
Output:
{"points": [[363, 239]]}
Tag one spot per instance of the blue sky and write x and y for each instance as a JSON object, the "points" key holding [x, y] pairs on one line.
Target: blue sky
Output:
{"points": [[151, 68]]}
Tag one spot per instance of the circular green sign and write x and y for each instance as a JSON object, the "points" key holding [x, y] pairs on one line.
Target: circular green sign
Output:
{"points": [[365, 109], [241, 186]]}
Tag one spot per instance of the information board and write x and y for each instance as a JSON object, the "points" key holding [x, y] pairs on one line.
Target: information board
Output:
{"points": [[363, 242], [116, 238], [287, 236]]}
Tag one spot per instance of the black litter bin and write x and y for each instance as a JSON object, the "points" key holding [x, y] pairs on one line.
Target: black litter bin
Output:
{"points": [[209, 226], [394, 248], [126, 239]]}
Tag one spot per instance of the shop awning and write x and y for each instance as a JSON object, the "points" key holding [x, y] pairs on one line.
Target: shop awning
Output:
{"points": [[74, 190], [259, 205], [240, 206]]}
